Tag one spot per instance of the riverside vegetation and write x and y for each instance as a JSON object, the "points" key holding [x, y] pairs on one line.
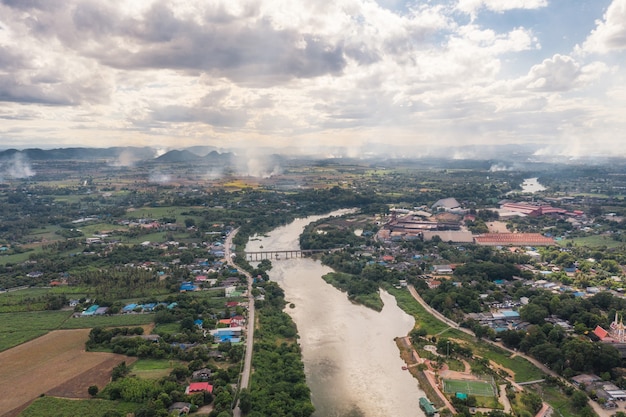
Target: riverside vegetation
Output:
{"points": [[112, 241]]}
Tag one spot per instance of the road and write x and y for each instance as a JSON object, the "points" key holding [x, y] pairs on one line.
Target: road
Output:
{"points": [[596, 407], [247, 362]]}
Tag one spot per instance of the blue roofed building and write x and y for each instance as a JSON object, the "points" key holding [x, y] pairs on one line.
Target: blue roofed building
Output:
{"points": [[129, 308], [91, 310], [187, 286]]}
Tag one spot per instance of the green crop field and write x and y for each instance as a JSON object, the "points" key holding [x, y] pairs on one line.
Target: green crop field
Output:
{"points": [[17, 328], [58, 407], [108, 321]]}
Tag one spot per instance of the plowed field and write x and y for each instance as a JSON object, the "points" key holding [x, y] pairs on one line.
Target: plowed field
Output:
{"points": [[53, 364]]}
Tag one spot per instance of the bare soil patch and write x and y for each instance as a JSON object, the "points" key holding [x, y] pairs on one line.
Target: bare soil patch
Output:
{"points": [[57, 360], [497, 227]]}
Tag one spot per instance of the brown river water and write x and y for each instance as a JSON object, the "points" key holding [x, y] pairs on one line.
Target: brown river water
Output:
{"points": [[352, 364]]}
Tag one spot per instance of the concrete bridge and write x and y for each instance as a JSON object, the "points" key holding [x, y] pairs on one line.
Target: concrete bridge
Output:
{"points": [[284, 254]]}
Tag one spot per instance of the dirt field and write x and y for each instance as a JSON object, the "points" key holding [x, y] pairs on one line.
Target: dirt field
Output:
{"points": [[56, 362], [497, 227]]}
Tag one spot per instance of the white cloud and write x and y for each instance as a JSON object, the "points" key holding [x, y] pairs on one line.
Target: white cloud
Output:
{"points": [[561, 73], [472, 6], [293, 72], [610, 33]]}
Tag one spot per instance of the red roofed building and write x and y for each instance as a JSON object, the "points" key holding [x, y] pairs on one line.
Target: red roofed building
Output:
{"points": [[199, 387], [600, 332], [515, 239]]}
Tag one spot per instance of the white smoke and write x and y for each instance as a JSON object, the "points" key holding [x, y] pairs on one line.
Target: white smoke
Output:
{"points": [[258, 166], [499, 167], [160, 178], [214, 174], [126, 158], [17, 167]]}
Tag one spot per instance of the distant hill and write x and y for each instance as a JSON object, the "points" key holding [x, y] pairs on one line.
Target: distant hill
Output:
{"points": [[216, 157], [176, 156], [83, 154]]}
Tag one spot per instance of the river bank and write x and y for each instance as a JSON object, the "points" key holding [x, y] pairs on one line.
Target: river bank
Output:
{"points": [[351, 361]]}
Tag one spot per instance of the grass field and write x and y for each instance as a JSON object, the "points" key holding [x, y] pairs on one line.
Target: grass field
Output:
{"points": [[522, 369], [592, 241], [108, 321], [479, 388], [59, 407], [19, 257], [17, 328], [153, 368], [423, 319]]}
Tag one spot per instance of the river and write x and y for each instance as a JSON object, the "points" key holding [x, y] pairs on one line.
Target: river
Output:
{"points": [[351, 361]]}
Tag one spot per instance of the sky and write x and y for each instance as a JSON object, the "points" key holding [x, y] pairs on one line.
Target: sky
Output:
{"points": [[371, 76]]}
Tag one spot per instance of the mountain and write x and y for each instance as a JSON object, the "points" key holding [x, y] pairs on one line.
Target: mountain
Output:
{"points": [[176, 156], [82, 154]]}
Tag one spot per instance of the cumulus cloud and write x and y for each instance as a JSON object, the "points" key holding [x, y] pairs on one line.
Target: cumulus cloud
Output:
{"points": [[472, 6], [610, 32], [562, 73], [298, 73]]}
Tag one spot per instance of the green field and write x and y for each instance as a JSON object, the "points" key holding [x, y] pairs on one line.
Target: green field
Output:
{"points": [[19, 257], [524, 370], [108, 321], [423, 320], [592, 241], [17, 328], [478, 388], [153, 368], [58, 407]]}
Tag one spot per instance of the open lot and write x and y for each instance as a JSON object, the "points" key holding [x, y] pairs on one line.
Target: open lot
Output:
{"points": [[48, 364]]}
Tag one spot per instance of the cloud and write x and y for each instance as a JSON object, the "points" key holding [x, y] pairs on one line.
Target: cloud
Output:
{"points": [[562, 73], [558, 73], [301, 74], [472, 6], [610, 33]]}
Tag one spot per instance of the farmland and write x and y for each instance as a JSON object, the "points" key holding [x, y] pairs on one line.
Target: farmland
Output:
{"points": [[55, 359]]}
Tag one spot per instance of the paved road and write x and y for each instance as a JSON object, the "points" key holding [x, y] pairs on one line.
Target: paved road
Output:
{"points": [[247, 363]]}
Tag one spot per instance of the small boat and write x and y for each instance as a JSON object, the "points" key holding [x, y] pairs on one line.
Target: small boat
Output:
{"points": [[404, 368]]}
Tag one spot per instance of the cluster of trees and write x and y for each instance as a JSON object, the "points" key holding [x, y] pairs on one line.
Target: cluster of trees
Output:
{"points": [[153, 397], [278, 384], [549, 343]]}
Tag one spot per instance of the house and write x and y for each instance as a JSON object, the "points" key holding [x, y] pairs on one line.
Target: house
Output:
{"points": [[203, 374], [199, 387], [227, 334], [446, 204], [179, 408], [187, 286], [237, 321], [442, 269]]}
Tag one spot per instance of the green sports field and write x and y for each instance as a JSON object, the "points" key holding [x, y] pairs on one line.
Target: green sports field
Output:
{"points": [[477, 388]]}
